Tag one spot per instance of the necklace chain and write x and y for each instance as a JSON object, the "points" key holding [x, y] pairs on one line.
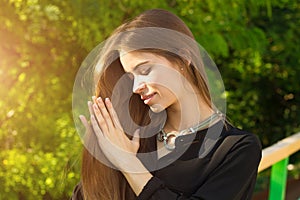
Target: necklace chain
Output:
{"points": [[162, 136]]}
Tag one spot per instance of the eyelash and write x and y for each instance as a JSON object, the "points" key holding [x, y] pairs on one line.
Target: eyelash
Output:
{"points": [[145, 71], [142, 72]]}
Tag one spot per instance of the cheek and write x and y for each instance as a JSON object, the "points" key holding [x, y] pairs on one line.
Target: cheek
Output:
{"points": [[167, 96], [167, 92], [152, 78], [166, 78]]}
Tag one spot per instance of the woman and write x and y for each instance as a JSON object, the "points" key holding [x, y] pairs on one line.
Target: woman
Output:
{"points": [[171, 142]]}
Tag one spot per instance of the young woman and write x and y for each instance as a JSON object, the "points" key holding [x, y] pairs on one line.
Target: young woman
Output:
{"points": [[154, 130]]}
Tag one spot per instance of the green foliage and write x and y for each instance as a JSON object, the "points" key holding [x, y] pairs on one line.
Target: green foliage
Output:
{"points": [[34, 174], [42, 43], [267, 80]]}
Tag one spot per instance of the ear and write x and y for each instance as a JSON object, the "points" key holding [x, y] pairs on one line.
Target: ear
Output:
{"points": [[186, 55]]}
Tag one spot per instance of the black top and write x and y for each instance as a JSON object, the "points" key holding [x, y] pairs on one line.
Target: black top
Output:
{"points": [[227, 171]]}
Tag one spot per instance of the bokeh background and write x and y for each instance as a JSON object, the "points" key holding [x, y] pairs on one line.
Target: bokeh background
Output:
{"points": [[255, 44]]}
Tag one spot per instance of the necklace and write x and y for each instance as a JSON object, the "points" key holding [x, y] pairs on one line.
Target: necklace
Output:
{"points": [[169, 138]]}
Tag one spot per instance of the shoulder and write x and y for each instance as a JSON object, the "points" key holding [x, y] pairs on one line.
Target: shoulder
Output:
{"points": [[245, 136], [242, 142]]}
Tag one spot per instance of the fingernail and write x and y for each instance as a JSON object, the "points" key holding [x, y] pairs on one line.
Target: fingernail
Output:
{"points": [[99, 99], [94, 98], [81, 118], [108, 102]]}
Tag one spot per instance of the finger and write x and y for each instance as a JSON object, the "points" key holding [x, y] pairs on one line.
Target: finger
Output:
{"points": [[136, 136], [105, 114], [94, 99], [84, 121], [113, 114], [96, 128], [100, 119], [90, 106]]}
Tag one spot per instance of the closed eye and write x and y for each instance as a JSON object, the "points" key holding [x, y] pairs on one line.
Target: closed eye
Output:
{"points": [[145, 70]]}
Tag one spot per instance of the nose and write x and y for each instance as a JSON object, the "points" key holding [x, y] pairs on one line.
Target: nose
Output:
{"points": [[138, 85]]}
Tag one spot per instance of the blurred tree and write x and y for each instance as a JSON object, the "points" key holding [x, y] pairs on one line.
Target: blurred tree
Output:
{"points": [[42, 43], [263, 90]]}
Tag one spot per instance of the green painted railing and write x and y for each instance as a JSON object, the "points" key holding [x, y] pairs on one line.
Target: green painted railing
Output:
{"points": [[277, 157]]}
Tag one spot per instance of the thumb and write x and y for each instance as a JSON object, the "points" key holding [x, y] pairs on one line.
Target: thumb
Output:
{"points": [[85, 123], [136, 136]]}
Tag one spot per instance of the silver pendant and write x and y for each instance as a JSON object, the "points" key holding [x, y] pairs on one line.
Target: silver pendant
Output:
{"points": [[169, 140]]}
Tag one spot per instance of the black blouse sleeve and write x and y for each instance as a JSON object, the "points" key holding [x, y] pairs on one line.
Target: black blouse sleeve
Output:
{"points": [[234, 178]]}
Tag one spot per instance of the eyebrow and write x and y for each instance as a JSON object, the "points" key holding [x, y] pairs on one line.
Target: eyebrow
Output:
{"points": [[138, 65]]}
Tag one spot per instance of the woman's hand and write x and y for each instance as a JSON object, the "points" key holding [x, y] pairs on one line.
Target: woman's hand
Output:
{"points": [[116, 146]]}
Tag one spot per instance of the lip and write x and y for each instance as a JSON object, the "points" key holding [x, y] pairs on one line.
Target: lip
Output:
{"points": [[147, 98]]}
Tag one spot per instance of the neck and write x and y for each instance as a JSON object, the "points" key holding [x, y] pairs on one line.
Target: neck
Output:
{"points": [[188, 113]]}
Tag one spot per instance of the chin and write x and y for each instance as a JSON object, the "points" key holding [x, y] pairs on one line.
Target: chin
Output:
{"points": [[157, 108]]}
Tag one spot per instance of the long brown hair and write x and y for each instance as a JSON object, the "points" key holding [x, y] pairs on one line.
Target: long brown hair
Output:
{"points": [[98, 180]]}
